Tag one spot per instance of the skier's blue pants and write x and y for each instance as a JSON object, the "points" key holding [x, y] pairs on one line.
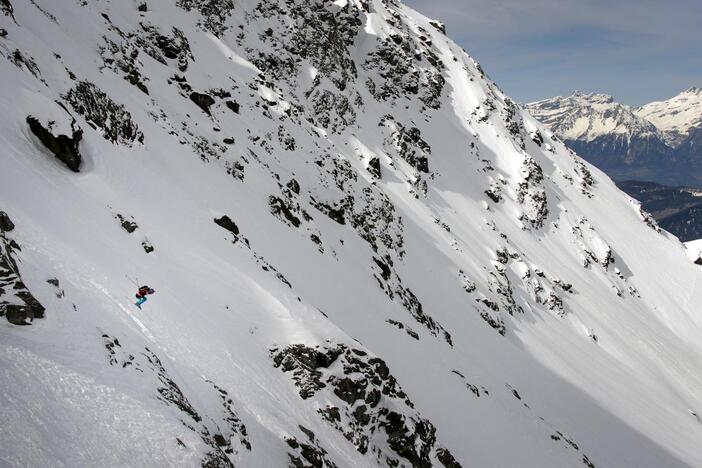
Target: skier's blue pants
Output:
{"points": [[141, 300]]}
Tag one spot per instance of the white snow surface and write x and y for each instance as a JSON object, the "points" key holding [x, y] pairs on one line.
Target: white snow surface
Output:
{"points": [[601, 358], [694, 249], [675, 116]]}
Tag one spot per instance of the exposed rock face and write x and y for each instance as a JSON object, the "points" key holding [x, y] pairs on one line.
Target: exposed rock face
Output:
{"points": [[6, 8], [147, 246], [214, 13], [374, 167], [64, 147], [222, 436], [233, 105], [366, 404], [114, 121], [128, 225], [227, 223], [6, 224], [17, 304], [408, 65], [310, 451], [203, 101]]}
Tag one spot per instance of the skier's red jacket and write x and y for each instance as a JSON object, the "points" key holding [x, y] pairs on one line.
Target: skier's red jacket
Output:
{"points": [[144, 291]]}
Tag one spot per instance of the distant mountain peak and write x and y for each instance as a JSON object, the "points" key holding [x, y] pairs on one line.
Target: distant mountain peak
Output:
{"points": [[659, 141], [595, 97], [677, 116], [587, 116]]}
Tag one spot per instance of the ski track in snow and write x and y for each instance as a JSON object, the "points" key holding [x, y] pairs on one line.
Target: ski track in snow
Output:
{"points": [[126, 310]]}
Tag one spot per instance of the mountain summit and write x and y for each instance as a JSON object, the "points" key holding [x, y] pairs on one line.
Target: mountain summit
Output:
{"points": [[677, 117], [587, 117], [361, 252]]}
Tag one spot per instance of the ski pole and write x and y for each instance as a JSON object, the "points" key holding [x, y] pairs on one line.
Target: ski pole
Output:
{"points": [[136, 283]]}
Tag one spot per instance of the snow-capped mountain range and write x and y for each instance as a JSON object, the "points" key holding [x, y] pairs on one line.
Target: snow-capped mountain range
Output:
{"points": [[587, 117], [655, 142], [364, 253], [677, 116]]}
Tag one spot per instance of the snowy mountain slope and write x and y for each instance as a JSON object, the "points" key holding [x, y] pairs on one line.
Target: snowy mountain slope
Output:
{"points": [[677, 116], [694, 250], [364, 253]]}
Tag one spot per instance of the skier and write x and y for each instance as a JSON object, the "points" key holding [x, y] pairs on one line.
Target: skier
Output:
{"points": [[141, 295]]}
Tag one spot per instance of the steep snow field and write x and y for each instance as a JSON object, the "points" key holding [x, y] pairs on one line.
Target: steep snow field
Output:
{"points": [[411, 271]]}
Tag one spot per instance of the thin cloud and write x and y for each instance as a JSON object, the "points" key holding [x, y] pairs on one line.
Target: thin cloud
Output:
{"points": [[638, 50]]}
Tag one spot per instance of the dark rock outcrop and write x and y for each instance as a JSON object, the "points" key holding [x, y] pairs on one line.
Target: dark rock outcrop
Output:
{"points": [[147, 246], [64, 147], [374, 167], [128, 225], [6, 224], [310, 452], [203, 101], [364, 402], [441, 27], [283, 211], [233, 106], [114, 121], [23, 314], [217, 438], [6, 8], [17, 304], [214, 13], [227, 223]]}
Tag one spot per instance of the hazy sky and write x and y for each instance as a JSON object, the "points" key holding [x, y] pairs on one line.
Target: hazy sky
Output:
{"points": [[637, 50]]}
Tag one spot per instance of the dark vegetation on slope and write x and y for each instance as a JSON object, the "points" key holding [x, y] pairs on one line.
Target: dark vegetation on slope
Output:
{"points": [[678, 210]]}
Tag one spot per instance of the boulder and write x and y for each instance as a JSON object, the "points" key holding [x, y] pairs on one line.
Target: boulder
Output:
{"points": [[227, 223], [203, 101], [23, 314], [374, 167], [233, 106], [65, 148], [6, 224]]}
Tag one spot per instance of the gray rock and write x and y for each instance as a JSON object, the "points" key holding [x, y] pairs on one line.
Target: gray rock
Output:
{"points": [[65, 148], [227, 223], [233, 106], [203, 101], [6, 223]]}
